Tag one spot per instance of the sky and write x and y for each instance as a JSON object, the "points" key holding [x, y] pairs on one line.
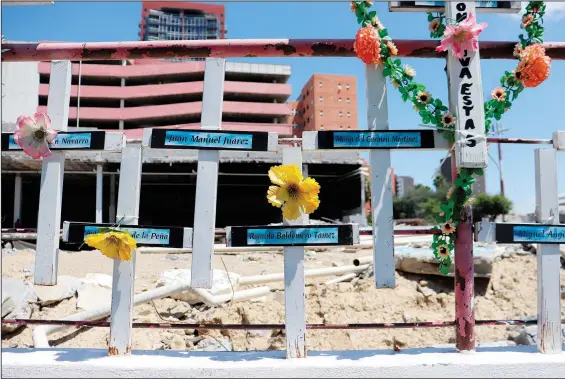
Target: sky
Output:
{"points": [[537, 113]]}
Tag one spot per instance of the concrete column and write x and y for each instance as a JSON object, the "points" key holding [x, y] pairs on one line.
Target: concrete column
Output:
{"points": [[17, 198], [99, 187], [112, 210]]}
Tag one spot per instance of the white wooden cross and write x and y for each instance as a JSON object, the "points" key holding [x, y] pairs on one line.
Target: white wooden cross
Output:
{"points": [[123, 283], [549, 234], [209, 140], [294, 235], [52, 169], [466, 97], [379, 140]]}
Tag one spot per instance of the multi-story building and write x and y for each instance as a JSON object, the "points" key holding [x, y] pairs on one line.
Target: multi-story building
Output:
{"points": [[131, 95], [172, 20], [326, 102], [403, 185]]}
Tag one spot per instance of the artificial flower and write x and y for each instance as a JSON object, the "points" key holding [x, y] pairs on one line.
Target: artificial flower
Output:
{"points": [[353, 7], [534, 66], [34, 135], [409, 71], [442, 249], [448, 227], [461, 37], [292, 192], [392, 48], [527, 20], [447, 119], [395, 82], [434, 25], [115, 244], [377, 23], [517, 49], [498, 94], [423, 97], [367, 45]]}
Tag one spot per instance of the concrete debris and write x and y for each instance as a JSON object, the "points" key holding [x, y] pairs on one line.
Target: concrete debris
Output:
{"points": [[102, 280], [92, 296], [422, 261], [529, 335], [65, 288], [221, 285], [17, 297], [213, 344]]}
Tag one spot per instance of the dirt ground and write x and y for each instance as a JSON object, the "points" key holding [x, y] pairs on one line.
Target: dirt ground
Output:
{"points": [[509, 294]]}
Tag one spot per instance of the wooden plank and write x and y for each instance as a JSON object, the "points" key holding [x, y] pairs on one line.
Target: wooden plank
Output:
{"points": [[124, 271], [404, 139], [149, 235], [294, 282], [521, 233], [548, 256], [381, 181], [207, 179], [297, 235], [91, 140], [52, 172], [466, 97], [210, 140]]}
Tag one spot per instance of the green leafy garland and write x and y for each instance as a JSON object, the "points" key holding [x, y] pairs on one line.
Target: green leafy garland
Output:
{"points": [[434, 112]]}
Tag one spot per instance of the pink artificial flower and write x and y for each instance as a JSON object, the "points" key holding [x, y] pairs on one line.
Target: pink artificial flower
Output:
{"points": [[461, 37], [34, 135]]}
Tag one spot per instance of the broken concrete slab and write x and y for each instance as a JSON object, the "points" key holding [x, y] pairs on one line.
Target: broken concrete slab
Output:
{"points": [[17, 297], [65, 288], [422, 261], [92, 296]]}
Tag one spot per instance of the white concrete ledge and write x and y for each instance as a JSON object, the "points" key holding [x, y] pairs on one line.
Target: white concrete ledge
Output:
{"points": [[500, 362]]}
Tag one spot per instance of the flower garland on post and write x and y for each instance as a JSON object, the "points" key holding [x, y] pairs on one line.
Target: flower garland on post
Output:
{"points": [[373, 45]]}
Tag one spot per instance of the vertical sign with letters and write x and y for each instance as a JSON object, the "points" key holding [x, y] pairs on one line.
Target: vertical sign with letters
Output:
{"points": [[466, 97]]}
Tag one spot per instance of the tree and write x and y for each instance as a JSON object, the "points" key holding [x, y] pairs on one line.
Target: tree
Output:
{"points": [[490, 207]]}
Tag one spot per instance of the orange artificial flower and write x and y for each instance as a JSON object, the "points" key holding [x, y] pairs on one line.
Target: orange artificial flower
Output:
{"points": [[367, 45], [534, 66]]}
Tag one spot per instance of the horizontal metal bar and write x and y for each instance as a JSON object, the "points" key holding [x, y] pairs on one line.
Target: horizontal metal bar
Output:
{"points": [[521, 140], [180, 325], [238, 48]]}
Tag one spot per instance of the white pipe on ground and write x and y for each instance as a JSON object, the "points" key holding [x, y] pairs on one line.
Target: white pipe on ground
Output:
{"points": [[362, 260], [40, 333], [312, 273], [340, 279]]}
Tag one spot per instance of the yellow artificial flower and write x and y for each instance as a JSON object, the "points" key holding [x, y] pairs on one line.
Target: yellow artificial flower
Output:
{"points": [[113, 244], [292, 192]]}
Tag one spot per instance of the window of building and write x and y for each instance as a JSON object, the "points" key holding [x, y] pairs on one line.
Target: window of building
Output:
{"points": [[321, 99], [339, 99], [307, 120], [339, 114], [294, 112], [347, 86], [294, 125], [341, 126], [338, 85], [322, 127], [347, 100], [321, 113], [348, 114], [320, 84]]}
